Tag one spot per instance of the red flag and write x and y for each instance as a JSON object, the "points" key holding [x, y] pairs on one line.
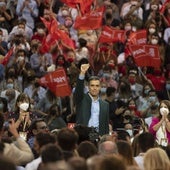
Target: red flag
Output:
{"points": [[57, 82], [7, 57], [53, 38], [49, 41], [146, 55], [91, 20], [85, 6], [110, 35], [71, 3], [162, 10], [138, 37], [65, 38], [51, 25]]}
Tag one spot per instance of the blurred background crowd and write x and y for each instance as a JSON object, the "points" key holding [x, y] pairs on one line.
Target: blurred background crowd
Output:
{"points": [[138, 96]]}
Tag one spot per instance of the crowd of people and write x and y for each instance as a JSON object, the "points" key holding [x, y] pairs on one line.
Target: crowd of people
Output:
{"points": [[117, 114]]}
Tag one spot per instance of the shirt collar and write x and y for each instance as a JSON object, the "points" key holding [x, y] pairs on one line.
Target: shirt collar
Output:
{"points": [[93, 98]]}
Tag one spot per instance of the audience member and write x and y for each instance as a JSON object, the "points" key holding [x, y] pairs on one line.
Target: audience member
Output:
{"points": [[40, 38], [160, 126], [144, 142], [19, 147], [107, 147], [67, 139], [156, 158], [91, 110], [86, 149]]}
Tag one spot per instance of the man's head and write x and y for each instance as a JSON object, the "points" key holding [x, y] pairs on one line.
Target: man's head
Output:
{"points": [[39, 125], [146, 141], [110, 93], [94, 86], [42, 139], [67, 139], [107, 147]]}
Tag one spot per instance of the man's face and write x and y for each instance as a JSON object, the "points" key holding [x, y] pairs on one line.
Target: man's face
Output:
{"points": [[94, 88], [41, 127]]}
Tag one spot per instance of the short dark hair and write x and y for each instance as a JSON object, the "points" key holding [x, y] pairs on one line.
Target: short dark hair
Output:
{"points": [[6, 163], [45, 138], [110, 91], [82, 42], [67, 139], [51, 153], [93, 78], [21, 51], [146, 141], [34, 123]]}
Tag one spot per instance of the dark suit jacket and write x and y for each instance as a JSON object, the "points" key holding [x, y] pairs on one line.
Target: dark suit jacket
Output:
{"points": [[83, 109]]}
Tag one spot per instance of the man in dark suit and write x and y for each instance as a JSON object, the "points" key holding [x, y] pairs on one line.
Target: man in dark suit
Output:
{"points": [[90, 109]]}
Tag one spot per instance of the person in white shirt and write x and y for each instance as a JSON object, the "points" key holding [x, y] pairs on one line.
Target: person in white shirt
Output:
{"points": [[145, 141]]}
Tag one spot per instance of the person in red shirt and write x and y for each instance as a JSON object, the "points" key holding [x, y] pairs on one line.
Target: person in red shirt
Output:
{"points": [[40, 33], [159, 82]]}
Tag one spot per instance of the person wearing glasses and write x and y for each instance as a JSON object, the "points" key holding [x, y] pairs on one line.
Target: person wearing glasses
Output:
{"points": [[38, 125]]}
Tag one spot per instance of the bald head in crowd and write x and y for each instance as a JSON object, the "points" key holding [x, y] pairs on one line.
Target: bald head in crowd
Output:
{"points": [[107, 147]]}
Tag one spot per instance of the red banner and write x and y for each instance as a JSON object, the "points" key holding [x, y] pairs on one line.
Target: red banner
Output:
{"points": [[57, 82], [71, 3], [51, 25], [7, 57], [110, 35], [146, 55], [162, 10], [52, 39], [84, 4], [91, 20], [138, 37]]}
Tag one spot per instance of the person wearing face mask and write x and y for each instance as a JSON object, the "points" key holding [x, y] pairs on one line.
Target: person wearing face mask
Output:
{"points": [[142, 103], [23, 27], [22, 115], [40, 33], [159, 82], [152, 8], [151, 29], [10, 93], [10, 74], [133, 107], [160, 126], [133, 6], [63, 13], [136, 88]]}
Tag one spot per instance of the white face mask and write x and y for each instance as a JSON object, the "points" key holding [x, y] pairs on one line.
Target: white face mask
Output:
{"points": [[154, 7], [65, 13], [130, 132], [20, 58], [164, 111], [40, 30], [24, 106], [128, 28], [152, 30], [154, 41]]}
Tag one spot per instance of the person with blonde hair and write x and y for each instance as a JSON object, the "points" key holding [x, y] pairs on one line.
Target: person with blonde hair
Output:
{"points": [[156, 158]]}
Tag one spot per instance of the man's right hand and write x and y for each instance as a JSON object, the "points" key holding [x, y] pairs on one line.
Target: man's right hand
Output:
{"points": [[84, 68]]}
